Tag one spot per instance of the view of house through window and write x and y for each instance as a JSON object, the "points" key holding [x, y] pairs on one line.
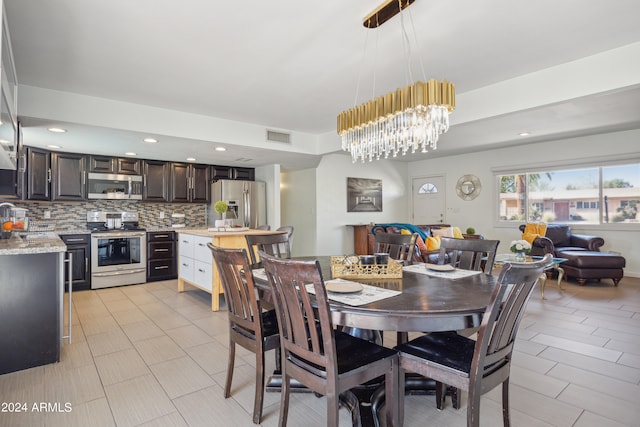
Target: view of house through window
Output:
{"points": [[592, 195]]}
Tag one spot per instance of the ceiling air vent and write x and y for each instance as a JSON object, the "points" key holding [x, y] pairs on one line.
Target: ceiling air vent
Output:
{"points": [[273, 136]]}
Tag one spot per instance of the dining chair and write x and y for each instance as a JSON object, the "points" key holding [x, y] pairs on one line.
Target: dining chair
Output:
{"points": [[264, 227], [289, 230], [469, 254], [249, 325], [272, 244], [476, 366], [399, 246], [327, 361]]}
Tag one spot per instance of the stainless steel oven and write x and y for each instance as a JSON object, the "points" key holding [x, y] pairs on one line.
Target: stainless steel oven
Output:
{"points": [[118, 258]]}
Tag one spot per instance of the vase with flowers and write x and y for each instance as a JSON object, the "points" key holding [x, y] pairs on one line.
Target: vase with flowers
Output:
{"points": [[521, 248]]}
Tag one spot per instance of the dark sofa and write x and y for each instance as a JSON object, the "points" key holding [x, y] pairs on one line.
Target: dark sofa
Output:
{"points": [[582, 252]]}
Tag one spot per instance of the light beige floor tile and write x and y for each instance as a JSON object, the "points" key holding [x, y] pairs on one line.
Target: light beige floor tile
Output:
{"points": [[589, 419], [600, 403], [98, 325], [189, 336], [119, 305], [74, 386], [76, 354], [160, 349], [544, 384], [613, 370], [598, 382], [577, 347], [108, 342], [95, 413], [120, 366], [144, 330], [209, 407], [137, 401], [174, 419], [533, 363], [181, 376], [129, 315], [212, 357]]}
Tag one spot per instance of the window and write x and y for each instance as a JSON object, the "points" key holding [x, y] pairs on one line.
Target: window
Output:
{"points": [[591, 195]]}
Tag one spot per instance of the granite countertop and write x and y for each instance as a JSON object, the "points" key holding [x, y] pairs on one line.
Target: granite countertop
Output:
{"points": [[32, 243], [205, 232]]}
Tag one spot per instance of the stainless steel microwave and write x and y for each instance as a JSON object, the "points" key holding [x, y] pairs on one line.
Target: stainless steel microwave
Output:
{"points": [[114, 186]]}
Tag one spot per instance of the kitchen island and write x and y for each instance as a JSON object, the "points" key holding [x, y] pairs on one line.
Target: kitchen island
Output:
{"points": [[31, 300], [195, 262]]}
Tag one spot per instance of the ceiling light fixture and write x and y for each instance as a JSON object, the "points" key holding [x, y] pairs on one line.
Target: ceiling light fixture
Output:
{"points": [[405, 120], [53, 146], [5, 142], [524, 134], [150, 140], [221, 149], [57, 130], [191, 159], [130, 153]]}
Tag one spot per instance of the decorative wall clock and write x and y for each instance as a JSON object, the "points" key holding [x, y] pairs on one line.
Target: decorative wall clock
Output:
{"points": [[468, 187]]}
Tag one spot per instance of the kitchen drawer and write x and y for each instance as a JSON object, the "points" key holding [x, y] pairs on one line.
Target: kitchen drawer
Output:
{"points": [[203, 275], [161, 236], [186, 245], [186, 268], [162, 269], [201, 251], [161, 250]]}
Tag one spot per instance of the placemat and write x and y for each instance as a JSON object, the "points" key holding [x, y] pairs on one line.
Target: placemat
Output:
{"points": [[367, 295], [455, 274]]}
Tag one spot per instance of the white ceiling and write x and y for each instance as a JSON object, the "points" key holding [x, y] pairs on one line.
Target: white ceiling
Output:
{"points": [[292, 66]]}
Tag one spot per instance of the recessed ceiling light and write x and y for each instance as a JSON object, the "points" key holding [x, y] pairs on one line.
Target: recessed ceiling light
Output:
{"points": [[4, 141], [130, 153], [57, 130], [221, 149], [150, 140], [191, 159], [524, 134], [53, 146]]}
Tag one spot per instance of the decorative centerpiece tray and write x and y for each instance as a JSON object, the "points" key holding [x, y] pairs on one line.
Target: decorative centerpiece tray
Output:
{"points": [[349, 267]]}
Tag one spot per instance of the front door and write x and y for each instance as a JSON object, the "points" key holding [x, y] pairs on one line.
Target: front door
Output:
{"points": [[428, 199]]}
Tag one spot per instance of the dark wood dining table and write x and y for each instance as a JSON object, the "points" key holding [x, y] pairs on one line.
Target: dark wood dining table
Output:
{"points": [[425, 304]]}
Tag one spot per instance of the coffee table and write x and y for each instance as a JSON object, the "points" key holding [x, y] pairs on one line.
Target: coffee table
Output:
{"points": [[555, 265]]}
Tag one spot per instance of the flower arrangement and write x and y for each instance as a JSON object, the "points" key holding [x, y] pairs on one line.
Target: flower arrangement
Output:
{"points": [[520, 246]]}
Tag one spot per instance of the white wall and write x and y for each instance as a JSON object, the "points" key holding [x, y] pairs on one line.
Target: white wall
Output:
{"points": [[298, 207], [481, 212]]}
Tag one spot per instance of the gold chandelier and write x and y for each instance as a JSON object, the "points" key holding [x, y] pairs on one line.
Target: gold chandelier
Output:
{"points": [[399, 122]]}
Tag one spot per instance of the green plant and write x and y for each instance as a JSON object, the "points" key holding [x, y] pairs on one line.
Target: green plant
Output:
{"points": [[220, 206], [471, 230]]}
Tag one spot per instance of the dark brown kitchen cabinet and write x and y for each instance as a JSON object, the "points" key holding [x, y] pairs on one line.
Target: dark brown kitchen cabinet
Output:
{"points": [[156, 181], [119, 165], [190, 183], [79, 246], [161, 256], [38, 174], [230, 172], [69, 176]]}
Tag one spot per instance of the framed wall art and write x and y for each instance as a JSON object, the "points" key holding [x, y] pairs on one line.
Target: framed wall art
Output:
{"points": [[364, 195]]}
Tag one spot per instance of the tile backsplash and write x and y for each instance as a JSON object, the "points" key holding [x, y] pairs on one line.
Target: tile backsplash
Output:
{"points": [[73, 215]]}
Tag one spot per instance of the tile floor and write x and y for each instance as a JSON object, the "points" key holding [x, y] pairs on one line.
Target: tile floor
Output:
{"points": [[145, 355]]}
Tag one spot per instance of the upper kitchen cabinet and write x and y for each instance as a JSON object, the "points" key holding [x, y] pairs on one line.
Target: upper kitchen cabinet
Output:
{"points": [[38, 174], [8, 99], [69, 176], [190, 183], [230, 172], [119, 165], [156, 181]]}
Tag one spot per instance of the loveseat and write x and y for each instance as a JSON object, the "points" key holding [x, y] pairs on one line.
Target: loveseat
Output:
{"points": [[584, 261]]}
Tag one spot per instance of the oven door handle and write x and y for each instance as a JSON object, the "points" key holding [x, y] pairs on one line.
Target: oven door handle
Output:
{"points": [[120, 272], [116, 235]]}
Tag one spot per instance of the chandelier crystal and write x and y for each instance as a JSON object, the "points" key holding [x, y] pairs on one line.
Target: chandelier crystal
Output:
{"points": [[409, 119]]}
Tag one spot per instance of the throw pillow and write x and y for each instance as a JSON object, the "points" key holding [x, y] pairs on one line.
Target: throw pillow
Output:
{"points": [[421, 245], [532, 230], [457, 234], [433, 243], [442, 232], [404, 231]]}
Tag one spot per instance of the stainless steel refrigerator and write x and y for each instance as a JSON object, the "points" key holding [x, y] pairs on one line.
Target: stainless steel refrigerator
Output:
{"points": [[246, 201]]}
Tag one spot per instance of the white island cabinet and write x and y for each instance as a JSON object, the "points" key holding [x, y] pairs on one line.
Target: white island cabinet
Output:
{"points": [[195, 262]]}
